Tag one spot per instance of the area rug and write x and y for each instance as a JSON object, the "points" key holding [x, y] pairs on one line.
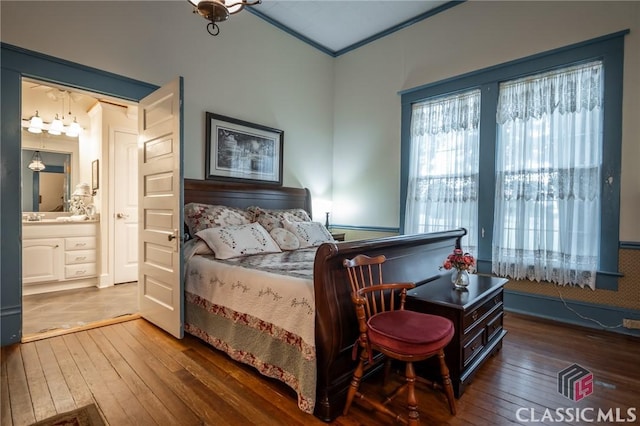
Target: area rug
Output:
{"points": [[84, 416]]}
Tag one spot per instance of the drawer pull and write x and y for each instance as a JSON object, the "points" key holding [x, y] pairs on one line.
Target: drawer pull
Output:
{"points": [[81, 272], [81, 257], [81, 244], [496, 300], [474, 315], [474, 347]]}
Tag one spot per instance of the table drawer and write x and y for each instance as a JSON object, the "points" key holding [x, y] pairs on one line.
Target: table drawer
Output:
{"points": [[471, 317], [80, 243], [494, 325], [79, 271], [473, 347]]}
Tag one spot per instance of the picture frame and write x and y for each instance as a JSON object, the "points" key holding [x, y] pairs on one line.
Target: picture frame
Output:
{"points": [[241, 151], [95, 177]]}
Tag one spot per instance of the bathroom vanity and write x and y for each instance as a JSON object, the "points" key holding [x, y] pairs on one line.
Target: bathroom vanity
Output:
{"points": [[58, 255]]}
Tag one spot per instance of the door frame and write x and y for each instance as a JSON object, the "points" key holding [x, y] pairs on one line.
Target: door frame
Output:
{"points": [[16, 63]]}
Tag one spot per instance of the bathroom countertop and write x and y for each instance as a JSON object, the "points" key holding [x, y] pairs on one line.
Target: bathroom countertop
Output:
{"points": [[57, 222], [56, 218]]}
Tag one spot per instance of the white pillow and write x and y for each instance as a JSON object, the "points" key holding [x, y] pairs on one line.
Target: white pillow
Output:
{"points": [[238, 240], [286, 240], [310, 234]]}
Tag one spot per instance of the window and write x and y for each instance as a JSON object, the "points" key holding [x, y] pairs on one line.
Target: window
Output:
{"points": [[443, 172], [509, 231], [548, 164]]}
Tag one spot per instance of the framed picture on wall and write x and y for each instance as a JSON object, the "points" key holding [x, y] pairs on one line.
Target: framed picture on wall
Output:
{"points": [[240, 151], [95, 177]]}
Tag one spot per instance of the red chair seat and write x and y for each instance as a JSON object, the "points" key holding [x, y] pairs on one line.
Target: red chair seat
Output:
{"points": [[409, 332]]}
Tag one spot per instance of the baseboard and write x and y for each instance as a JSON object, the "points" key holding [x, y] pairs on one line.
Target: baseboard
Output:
{"points": [[10, 320], [600, 317]]}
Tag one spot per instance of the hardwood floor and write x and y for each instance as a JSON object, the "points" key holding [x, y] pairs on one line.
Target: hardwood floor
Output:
{"points": [[47, 313], [139, 375]]}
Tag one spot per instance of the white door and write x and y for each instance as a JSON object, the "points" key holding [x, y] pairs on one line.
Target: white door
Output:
{"points": [[126, 207], [161, 292]]}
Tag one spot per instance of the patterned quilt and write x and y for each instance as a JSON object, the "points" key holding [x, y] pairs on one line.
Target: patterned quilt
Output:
{"points": [[260, 310]]}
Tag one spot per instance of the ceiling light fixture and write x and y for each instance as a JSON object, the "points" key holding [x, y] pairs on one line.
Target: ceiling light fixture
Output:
{"points": [[36, 163], [218, 11]]}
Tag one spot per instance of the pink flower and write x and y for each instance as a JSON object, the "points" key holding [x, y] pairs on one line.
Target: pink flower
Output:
{"points": [[459, 260]]}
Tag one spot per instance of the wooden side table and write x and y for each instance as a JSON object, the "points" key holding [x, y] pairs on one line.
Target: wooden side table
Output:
{"points": [[477, 316]]}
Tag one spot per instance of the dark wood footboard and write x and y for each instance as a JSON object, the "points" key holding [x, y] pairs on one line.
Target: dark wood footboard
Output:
{"points": [[413, 258]]}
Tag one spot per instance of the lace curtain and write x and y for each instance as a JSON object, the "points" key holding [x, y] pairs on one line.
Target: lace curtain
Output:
{"points": [[442, 191], [548, 167]]}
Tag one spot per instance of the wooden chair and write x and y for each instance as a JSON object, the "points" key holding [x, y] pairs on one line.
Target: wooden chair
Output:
{"points": [[399, 334]]}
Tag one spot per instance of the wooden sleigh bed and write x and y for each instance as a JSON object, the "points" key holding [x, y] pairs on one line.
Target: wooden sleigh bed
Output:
{"points": [[414, 258]]}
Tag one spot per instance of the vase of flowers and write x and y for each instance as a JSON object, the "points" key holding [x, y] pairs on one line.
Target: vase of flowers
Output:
{"points": [[461, 263]]}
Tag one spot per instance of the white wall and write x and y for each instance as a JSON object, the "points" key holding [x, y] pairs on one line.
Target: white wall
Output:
{"points": [[251, 71], [465, 38], [341, 116]]}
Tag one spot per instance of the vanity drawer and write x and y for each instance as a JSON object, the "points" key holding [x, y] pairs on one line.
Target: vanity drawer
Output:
{"points": [[79, 256], [80, 243], [473, 316], [80, 270]]}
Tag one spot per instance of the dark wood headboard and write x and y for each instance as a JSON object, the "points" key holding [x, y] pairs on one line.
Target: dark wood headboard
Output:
{"points": [[246, 195]]}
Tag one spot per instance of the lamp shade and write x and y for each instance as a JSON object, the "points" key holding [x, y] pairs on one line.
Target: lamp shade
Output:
{"points": [[35, 124], [74, 129], [82, 190], [56, 126]]}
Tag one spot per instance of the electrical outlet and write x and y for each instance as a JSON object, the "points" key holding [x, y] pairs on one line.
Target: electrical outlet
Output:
{"points": [[629, 323]]}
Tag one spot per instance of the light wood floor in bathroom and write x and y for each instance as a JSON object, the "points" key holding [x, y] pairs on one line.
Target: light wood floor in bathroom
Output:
{"points": [[57, 312]]}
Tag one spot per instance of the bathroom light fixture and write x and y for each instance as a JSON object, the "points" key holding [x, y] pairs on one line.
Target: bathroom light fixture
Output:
{"points": [[47, 127], [74, 129], [218, 11], [35, 124], [36, 163], [56, 126]]}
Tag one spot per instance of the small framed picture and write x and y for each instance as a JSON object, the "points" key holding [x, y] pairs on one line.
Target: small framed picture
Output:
{"points": [[95, 176], [241, 151]]}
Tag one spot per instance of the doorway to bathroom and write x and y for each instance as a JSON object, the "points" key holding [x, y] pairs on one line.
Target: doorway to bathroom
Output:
{"points": [[90, 278]]}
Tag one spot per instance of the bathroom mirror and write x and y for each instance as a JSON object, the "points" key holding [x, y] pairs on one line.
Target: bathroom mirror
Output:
{"points": [[47, 190]]}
